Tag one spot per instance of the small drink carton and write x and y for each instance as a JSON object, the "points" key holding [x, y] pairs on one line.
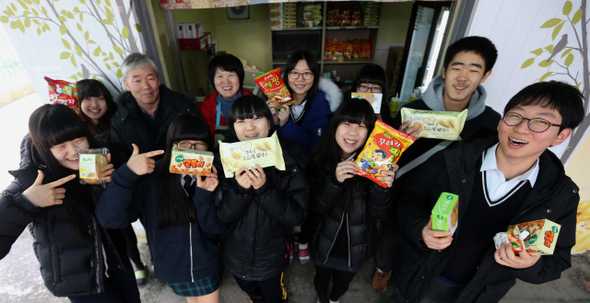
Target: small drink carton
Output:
{"points": [[445, 213], [539, 236]]}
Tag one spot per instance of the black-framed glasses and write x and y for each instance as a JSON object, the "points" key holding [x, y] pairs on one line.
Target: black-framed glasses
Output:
{"points": [[183, 144], [363, 88], [536, 125], [295, 75]]}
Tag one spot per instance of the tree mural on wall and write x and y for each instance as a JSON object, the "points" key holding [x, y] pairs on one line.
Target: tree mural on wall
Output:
{"points": [[563, 54], [79, 26]]}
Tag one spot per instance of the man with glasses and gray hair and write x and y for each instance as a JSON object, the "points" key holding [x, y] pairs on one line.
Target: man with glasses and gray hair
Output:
{"points": [[501, 178]]}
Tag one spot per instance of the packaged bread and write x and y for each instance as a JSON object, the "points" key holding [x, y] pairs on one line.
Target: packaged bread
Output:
{"points": [[265, 152], [273, 86], [190, 161], [445, 125], [91, 162], [383, 148], [536, 237], [374, 98]]}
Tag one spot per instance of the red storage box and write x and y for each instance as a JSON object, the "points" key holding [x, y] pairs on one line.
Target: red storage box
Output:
{"points": [[200, 43]]}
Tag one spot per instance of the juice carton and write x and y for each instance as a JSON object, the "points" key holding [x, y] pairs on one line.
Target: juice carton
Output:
{"points": [[445, 213], [539, 236]]}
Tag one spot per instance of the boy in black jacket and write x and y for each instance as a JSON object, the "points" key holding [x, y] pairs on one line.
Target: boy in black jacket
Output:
{"points": [[501, 179]]}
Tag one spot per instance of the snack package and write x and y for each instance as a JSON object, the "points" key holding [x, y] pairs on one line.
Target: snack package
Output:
{"points": [[63, 92], [373, 98], [265, 152], [384, 146], [91, 163], [190, 161], [537, 237], [500, 238], [274, 88], [436, 124], [445, 213]]}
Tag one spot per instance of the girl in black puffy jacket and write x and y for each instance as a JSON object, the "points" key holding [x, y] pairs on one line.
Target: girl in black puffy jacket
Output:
{"points": [[79, 259], [259, 207], [345, 206]]}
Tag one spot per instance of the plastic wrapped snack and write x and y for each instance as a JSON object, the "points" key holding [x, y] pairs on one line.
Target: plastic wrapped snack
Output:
{"points": [[265, 152], [373, 98], [190, 161], [63, 92], [383, 148], [91, 163], [537, 237], [436, 124], [273, 86]]}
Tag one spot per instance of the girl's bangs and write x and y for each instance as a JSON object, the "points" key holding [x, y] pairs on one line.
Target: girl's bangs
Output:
{"points": [[355, 117], [62, 130], [250, 110]]}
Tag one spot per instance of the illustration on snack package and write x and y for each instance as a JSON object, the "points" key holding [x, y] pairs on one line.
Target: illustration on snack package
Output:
{"points": [[63, 92], [273, 86], [536, 237], [445, 125], [190, 161], [374, 98], [91, 163], [265, 152]]}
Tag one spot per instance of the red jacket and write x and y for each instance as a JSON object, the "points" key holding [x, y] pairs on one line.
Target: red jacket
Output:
{"points": [[208, 110]]}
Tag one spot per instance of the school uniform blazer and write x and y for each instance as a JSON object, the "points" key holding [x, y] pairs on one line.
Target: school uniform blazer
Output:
{"points": [[554, 197]]}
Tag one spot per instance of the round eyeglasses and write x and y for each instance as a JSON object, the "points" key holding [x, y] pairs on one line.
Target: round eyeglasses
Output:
{"points": [[536, 125], [295, 75], [363, 88]]}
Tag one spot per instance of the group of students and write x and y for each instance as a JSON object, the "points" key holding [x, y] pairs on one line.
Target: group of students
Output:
{"points": [[196, 226]]}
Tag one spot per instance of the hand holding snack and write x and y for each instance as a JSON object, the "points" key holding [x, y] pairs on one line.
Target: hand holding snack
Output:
{"points": [[389, 176], [108, 170], [411, 130], [208, 182], [433, 239], [445, 125], [273, 109], [142, 164], [94, 164], [257, 176], [506, 256], [345, 170], [283, 115], [242, 178], [43, 195], [273, 86]]}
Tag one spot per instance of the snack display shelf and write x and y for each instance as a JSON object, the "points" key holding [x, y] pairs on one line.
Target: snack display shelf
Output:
{"points": [[348, 62], [351, 27], [317, 28]]}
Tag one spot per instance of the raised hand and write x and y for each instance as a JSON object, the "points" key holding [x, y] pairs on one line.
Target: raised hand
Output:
{"points": [[389, 175], [506, 256], [413, 130], [43, 195], [142, 164], [108, 170], [284, 114], [210, 181], [435, 239], [345, 170], [242, 178], [273, 109], [257, 176]]}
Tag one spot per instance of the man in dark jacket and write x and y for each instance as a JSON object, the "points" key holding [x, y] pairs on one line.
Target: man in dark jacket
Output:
{"points": [[468, 62], [146, 110], [501, 179]]}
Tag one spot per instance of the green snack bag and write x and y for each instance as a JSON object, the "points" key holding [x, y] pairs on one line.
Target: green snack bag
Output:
{"points": [[445, 213]]}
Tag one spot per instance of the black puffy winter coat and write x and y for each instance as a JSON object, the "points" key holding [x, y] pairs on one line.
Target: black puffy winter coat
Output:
{"points": [[258, 223], [359, 224]]}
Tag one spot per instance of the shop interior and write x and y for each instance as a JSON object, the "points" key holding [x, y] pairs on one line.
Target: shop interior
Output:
{"points": [[405, 38]]}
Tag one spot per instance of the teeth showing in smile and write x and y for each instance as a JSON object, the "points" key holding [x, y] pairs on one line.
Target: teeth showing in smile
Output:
{"points": [[352, 142], [252, 136], [518, 142]]}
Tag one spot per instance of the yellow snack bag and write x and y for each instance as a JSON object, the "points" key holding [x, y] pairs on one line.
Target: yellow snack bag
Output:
{"points": [[383, 147], [91, 163], [436, 124], [190, 161], [265, 152]]}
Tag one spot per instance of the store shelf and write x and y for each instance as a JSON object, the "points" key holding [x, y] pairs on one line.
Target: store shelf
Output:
{"points": [[348, 62], [318, 28], [330, 28]]}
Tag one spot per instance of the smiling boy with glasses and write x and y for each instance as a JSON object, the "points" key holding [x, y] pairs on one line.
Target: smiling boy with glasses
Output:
{"points": [[501, 178]]}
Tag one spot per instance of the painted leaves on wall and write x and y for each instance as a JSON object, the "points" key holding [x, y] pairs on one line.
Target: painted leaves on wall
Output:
{"points": [[95, 40]]}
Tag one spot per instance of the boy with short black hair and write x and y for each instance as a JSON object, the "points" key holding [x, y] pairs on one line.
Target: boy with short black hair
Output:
{"points": [[501, 178]]}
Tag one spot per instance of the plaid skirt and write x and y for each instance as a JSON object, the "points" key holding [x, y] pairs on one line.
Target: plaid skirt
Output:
{"points": [[198, 288]]}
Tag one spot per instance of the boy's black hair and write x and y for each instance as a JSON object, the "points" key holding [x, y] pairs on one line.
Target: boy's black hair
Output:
{"points": [[479, 45], [248, 107], [93, 88], [228, 63], [314, 67], [173, 211], [559, 96], [371, 74]]}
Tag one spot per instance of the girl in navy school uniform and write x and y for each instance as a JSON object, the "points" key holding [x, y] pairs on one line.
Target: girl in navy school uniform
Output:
{"points": [[178, 212], [347, 206], [259, 207]]}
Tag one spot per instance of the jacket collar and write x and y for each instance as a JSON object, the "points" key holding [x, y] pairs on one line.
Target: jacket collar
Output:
{"points": [[127, 103]]}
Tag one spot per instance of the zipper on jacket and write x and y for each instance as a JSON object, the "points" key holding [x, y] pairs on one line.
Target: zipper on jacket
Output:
{"points": [[97, 253], [349, 244], [334, 242], [190, 232]]}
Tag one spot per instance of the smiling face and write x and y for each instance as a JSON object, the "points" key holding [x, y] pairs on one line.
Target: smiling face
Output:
{"points": [[227, 84], [350, 137], [464, 73], [94, 107], [300, 86], [144, 85], [518, 144], [66, 154], [248, 129]]}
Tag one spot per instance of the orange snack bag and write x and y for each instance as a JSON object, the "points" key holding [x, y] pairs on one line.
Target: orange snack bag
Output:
{"points": [[190, 161], [274, 88], [383, 147], [63, 92]]}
